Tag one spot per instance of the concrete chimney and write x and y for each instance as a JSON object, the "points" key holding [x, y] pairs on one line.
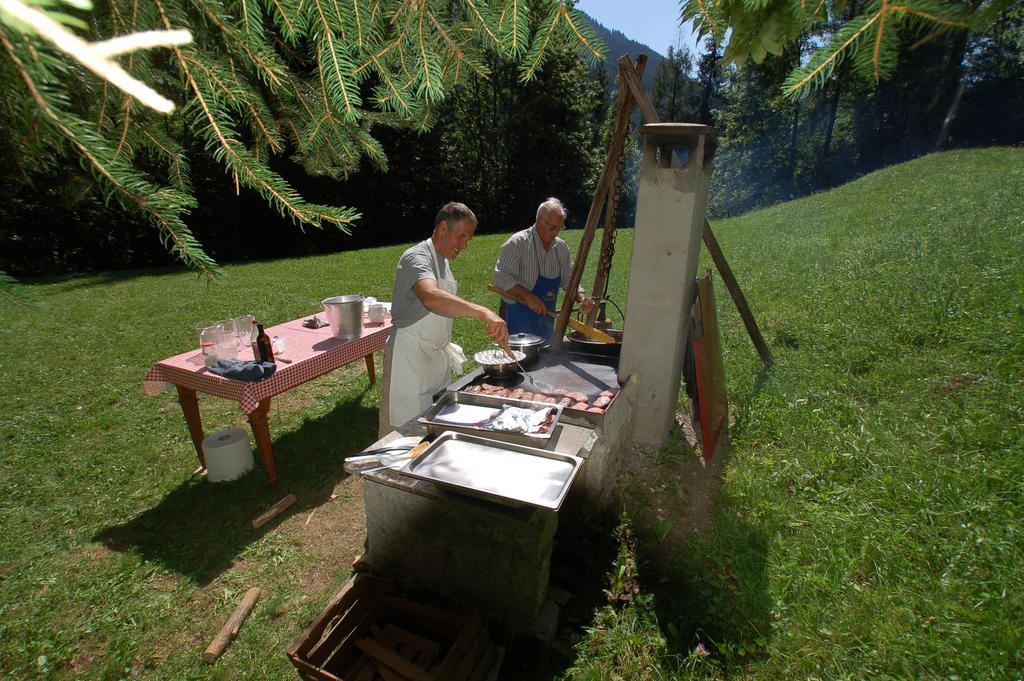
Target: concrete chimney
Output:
{"points": [[671, 203]]}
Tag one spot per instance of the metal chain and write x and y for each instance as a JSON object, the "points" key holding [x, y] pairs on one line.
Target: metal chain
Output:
{"points": [[607, 255]]}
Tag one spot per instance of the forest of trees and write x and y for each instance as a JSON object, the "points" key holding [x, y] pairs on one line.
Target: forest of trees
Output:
{"points": [[956, 90], [502, 145]]}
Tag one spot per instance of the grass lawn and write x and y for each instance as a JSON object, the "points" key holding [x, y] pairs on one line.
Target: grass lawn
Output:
{"points": [[866, 520]]}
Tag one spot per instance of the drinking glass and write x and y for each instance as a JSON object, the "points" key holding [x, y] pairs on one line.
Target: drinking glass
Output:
{"points": [[209, 333], [243, 330], [227, 347]]}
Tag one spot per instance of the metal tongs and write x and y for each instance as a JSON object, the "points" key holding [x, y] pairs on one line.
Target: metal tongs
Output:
{"points": [[508, 351]]}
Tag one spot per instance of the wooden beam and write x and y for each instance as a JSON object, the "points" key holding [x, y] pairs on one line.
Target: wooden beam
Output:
{"points": [[612, 208], [632, 79], [271, 513], [737, 295], [625, 108]]}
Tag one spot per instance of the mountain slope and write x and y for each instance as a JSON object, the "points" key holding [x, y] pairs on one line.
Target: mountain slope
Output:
{"points": [[618, 45]]}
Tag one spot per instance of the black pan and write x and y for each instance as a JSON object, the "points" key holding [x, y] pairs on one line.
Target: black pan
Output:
{"points": [[580, 343]]}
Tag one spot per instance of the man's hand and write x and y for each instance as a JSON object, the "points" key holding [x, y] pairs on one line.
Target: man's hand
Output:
{"points": [[587, 304], [536, 305], [496, 328]]}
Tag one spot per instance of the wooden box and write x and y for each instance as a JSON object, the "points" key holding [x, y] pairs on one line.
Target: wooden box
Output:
{"points": [[368, 632]]}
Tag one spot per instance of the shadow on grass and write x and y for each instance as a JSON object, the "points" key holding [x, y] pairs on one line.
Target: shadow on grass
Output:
{"points": [[709, 586], [716, 595], [94, 279], [700, 564], [741, 412], [199, 528]]}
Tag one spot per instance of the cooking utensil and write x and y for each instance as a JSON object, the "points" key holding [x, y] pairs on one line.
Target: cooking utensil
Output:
{"points": [[596, 334], [494, 363], [345, 315], [580, 343], [508, 351], [400, 459], [502, 472], [465, 412], [527, 343]]}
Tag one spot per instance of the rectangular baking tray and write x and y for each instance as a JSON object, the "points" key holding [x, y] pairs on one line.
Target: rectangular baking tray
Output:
{"points": [[505, 472], [457, 411]]}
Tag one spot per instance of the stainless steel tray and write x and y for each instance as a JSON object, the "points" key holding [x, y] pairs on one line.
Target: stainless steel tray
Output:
{"points": [[498, 471], [458, 411]]}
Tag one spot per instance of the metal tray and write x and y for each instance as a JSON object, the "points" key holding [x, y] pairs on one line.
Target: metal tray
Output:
{"points": [[459, 410], [497, 471]]}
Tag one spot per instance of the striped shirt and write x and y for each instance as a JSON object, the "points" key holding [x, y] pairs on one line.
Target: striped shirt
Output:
{"points": [[522, 259]]}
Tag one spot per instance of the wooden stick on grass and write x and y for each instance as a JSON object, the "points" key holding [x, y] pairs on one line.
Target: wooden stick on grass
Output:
{"points": [[230, 629], [270, 513]]}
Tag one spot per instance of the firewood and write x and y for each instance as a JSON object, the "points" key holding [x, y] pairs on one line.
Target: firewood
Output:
{"points": [[230, 629], [271, 513], [407, 669]]}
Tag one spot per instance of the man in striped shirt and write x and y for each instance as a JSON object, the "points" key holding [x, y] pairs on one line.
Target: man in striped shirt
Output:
{"points": [[532, 265]]}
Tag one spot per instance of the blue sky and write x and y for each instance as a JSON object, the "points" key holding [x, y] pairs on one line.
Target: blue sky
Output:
{"points": [[654, 23]]}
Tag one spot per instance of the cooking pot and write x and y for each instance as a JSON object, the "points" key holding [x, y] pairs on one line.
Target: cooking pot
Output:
{"points": [[527, 343], [345, 314], [581, 343], [497, 364]]}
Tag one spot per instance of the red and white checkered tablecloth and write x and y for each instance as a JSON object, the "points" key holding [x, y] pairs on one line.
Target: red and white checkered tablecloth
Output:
{"points": [[308, 354]]}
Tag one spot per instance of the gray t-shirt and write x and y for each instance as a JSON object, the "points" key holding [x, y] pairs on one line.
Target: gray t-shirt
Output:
{"points": [[415, 264]]}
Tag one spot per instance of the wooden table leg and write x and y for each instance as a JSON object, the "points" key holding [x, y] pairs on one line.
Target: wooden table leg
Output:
{"points": [[259, 421], [190, 408], [370, 368]]}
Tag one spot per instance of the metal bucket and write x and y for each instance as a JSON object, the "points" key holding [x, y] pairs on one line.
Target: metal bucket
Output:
{"points": [[345, 315]]}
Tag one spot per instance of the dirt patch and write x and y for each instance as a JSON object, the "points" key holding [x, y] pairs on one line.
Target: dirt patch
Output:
{"points": [[332, 533], [672, 494]]}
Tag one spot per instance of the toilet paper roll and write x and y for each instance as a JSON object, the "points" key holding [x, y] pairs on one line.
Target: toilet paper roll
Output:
{"points": [[228, 455]]}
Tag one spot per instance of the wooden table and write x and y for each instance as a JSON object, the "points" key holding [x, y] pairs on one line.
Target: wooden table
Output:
{"points": [[308, 354]]}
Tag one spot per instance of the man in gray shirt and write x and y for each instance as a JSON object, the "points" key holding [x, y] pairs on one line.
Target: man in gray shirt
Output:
{"points": [[419, 356]]}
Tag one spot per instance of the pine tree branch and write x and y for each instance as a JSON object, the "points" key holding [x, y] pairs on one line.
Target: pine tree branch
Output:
{"points": [[483, 22], [587, 39], [832, 57], [426, 82], [333, 64], [459, 55], [175, 159], [542, 43], [514, 15], [883, 13], [99, 62], [289, 24], [169, 224]]}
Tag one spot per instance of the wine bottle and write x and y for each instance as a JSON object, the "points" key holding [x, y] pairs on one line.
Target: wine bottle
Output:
{"points": [[262, 348]]}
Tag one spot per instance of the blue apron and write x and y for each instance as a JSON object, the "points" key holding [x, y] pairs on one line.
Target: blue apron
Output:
{"points": [[522, 320]]}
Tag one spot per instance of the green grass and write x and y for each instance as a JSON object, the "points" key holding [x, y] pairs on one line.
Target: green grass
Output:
{"points": [[869, 517], [116, 562], [869, 523]]}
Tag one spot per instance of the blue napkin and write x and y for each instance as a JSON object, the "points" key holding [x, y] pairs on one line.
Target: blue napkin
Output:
{"points": [[240, 370]]}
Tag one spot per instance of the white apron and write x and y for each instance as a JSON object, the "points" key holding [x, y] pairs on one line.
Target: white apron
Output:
{"points": [[422, 358]]}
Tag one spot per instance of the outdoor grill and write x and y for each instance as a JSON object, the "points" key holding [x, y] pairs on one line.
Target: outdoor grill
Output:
{"points": [[440, 531], [565, 371]]}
